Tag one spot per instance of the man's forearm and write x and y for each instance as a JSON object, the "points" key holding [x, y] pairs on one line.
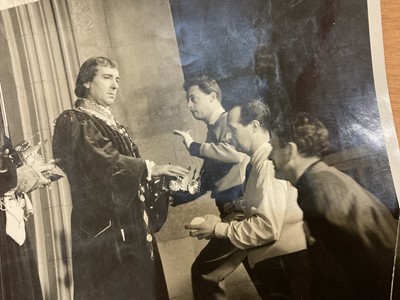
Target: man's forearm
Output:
{"points": [[222, 152], [249, 233]]}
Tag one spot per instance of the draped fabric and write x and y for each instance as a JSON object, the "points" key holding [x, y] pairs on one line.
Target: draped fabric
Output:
{"points": [[42, 46], [39, 67], [114, 252], [19, 274]]}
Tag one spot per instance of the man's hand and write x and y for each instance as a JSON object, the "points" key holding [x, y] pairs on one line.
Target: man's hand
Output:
{"points": [[187, 139], [204, 230], [33, 176], [169, 170], [41, 170]]}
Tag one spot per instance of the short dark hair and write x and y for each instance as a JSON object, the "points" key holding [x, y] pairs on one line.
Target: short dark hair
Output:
{"points": [[255, 110], [308, 133], [88, 71], [206, 84]]}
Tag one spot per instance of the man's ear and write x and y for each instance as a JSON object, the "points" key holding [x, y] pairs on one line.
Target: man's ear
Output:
{"points": [[255, 125], [292, 150], [213, 96], [86, 85]]}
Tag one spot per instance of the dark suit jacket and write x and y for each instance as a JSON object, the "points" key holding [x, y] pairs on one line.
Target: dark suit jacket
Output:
{"points": [[351, 234]]}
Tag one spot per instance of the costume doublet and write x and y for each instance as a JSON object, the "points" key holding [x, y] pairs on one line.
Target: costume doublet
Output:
{"points": [[114, 252], [352, 236]]}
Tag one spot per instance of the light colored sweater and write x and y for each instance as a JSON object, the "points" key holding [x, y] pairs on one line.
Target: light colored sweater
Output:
{"points": [[274, 221]]}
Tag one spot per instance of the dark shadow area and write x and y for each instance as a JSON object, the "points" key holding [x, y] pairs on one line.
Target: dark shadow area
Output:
{"points": [[305, 55]]}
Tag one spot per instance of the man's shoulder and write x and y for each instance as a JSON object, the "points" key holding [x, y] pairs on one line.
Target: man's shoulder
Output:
{"points": [[332, 187], [73, 115], [222, 120], [323, 175], [220, 128]]}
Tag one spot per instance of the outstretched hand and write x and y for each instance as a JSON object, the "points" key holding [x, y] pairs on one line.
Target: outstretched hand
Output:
{"points": [[169, 170], [187, 138], [34, 175]]}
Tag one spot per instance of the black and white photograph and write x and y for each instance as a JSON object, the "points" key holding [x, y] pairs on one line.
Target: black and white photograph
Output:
{"points": [[196, 150]]}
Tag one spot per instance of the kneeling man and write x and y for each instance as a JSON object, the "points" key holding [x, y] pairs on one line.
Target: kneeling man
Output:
{"points": [[272, 231]]}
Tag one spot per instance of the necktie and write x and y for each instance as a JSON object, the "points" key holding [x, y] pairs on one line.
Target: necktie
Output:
{"points": [[246, 178]]}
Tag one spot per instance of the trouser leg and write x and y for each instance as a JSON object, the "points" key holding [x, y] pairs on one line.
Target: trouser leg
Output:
{"points": [[286, 277], [217, 260]]}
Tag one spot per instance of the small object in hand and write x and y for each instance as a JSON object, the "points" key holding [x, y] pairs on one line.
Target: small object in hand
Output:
{"points": [[53, 175], [34, 158], [196, 221], [176, 185], [193, 186]]}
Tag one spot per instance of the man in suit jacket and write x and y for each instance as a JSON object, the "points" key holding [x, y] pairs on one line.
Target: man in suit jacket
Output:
{"points": [[351, 234]]}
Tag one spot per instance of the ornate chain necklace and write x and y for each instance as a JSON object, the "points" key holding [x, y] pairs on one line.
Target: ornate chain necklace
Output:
{"points": [[103, 114], [96, 110]]}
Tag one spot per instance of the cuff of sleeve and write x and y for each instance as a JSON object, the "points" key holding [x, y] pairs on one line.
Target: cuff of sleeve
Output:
{"points": [[194, 149], [221, 230], [149, 165]]}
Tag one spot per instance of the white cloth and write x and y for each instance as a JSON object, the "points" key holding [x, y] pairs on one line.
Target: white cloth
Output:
{"points": [[274, 221], [17, 209]]}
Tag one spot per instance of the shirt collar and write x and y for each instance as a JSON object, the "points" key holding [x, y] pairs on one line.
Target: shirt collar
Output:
{"points": [[215, 115], [261, 154]]}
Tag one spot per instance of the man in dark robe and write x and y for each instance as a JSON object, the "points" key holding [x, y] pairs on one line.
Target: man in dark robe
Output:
{"points": [[351, 234], [114, 251]]}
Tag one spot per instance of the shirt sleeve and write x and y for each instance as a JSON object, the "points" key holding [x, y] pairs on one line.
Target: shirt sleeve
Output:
{"points": [[223, 150], [266, 198]]}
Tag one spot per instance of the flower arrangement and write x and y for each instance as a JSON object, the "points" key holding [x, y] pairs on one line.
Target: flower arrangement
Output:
{"points": [[184, 184]]}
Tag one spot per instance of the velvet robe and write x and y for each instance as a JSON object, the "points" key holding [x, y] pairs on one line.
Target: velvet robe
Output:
{"points": [[114, 251]]}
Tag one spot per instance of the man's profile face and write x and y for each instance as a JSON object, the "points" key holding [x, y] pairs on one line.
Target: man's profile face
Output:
{"points": [[280, 157], [199, 103], [103, 88], [242, 134]]}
